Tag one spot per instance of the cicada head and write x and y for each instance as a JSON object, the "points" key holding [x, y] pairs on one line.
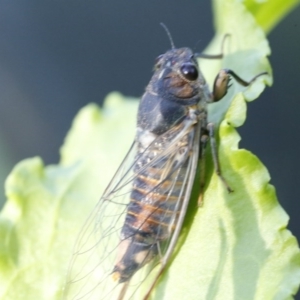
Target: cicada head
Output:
{"points": [[177, 74]]}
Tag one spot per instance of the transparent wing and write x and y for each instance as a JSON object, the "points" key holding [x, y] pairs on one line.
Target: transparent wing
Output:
{"points": [[151, 189]]}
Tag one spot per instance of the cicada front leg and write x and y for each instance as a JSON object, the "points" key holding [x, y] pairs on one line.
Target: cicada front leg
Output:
{"points": [[222, 83]]}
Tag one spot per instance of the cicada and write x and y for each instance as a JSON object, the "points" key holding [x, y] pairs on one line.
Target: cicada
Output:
{"points": [[130, 236]]}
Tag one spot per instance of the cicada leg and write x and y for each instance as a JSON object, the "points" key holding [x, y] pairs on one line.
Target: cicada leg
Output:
{"points": [[214, 151], [203, 141], [222, 83], [214, 56], [209, 135]]}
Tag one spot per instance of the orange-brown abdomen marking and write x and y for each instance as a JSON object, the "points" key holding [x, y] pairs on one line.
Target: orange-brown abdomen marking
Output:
{"points": [[151, 215]]}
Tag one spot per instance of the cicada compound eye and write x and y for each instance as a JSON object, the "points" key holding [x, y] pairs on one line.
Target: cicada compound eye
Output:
{"points": [[189, 71]]}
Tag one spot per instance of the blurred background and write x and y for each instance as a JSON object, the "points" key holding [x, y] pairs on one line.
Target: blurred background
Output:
{"points": [[57, 56]]}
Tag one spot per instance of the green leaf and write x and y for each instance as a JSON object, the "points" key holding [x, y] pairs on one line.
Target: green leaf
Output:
{"points": [[47, 206], [234, 247], [269, 13]]}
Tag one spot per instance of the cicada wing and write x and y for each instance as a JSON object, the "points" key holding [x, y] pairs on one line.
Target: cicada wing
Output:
{"points": [[91, 265], [178, 180], [146, 278], [99, 248]]}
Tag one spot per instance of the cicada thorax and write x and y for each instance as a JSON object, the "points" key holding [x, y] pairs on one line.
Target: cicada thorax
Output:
{"points": [[168, 114]]}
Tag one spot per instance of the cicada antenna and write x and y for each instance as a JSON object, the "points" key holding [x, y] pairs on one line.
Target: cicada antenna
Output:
{"points": [[169, 34], [196, 45]]}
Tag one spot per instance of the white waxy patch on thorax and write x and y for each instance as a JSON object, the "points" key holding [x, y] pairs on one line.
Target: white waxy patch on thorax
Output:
{"points": [[145, 137]]}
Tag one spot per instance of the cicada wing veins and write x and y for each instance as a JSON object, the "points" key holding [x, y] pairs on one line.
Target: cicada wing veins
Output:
{"points": [[146, 278], [94, 253], [103, 244]]}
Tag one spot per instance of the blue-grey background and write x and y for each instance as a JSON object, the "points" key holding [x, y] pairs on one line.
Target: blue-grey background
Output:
{"points": [[58, 55]]}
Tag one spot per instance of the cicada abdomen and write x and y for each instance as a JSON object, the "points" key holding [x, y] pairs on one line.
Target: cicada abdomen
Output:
{"points": [[155, 201]]}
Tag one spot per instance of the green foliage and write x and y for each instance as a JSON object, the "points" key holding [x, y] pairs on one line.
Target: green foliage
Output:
{"points": [[269, 13], [47, 205], [234, 247]]}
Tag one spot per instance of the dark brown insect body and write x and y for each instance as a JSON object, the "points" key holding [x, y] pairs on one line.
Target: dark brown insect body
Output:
{"points": [[167, 109], [138, 219]]}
